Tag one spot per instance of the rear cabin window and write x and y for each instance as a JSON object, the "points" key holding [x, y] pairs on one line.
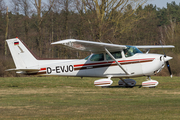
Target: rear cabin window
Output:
{"points": [[97, 57], [116, 55]]}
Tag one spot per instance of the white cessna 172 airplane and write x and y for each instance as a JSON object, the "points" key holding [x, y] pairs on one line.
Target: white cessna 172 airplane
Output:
{"points": [[107, 60]]}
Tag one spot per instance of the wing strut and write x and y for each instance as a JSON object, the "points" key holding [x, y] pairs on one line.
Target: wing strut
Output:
{"points": [[116, 61]]}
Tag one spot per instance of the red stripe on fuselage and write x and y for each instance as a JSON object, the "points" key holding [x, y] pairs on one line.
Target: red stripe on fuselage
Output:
{"points": [[122, 61], [42, 69]]}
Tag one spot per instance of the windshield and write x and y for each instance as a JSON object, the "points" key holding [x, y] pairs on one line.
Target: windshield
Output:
{"points": [[87, 57], [131, 50]]}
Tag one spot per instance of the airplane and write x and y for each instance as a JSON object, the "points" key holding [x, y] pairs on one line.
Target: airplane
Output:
{"points": [[106, 60]]}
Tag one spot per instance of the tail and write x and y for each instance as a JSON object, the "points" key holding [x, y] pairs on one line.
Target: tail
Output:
{"points": [[22, 57]]}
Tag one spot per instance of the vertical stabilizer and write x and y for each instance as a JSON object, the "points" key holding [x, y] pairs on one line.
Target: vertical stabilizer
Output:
{"points": [[22, 57]]}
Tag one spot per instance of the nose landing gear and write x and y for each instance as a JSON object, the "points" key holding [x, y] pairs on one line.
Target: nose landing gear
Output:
{"points": [[150, 83]]}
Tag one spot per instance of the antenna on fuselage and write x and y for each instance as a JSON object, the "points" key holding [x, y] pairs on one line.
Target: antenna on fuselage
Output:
{"points": [[162, 48], [110, 41], [99, 40]]}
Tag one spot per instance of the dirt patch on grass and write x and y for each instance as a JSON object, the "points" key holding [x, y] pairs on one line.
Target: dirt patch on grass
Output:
{"points": [[174, 93], [16, 91], [31, 91]]}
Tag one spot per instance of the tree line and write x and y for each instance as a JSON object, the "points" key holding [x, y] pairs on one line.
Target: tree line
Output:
{"points": [[130, 22]]}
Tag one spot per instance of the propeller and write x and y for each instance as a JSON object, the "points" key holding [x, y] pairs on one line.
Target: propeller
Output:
{"points": [[168, 66], [167, 62]]}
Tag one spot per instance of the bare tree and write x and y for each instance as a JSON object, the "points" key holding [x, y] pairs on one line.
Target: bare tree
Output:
{"points": [[6, 34], [41, 16], [26, 10], [110, 14], [2, 10]]}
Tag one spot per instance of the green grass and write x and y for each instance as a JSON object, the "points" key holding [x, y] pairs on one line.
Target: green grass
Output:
{"points": [[76, 98]]}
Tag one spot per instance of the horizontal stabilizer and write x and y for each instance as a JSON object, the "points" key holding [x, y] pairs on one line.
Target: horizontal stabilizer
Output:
{"points": [[26, 70]]}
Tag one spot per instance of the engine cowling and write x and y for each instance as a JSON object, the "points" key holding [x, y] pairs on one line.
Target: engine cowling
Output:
{"points": [[103, 82]]}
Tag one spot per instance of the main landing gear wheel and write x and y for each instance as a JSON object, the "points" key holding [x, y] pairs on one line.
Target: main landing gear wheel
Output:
{"points": [[128, 83]]}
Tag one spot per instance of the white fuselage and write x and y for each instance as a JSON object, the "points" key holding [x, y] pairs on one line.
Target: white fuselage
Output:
{"points": [[137, 65]]}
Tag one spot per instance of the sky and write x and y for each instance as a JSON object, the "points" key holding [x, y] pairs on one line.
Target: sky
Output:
{"points": [[158, 3], [162, 3]]}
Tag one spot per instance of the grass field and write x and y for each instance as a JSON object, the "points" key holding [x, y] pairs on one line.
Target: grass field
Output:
{"points": [[76, 98]]}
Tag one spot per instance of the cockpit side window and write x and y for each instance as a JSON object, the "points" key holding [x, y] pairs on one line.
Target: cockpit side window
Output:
{"points": [[130, 51], [116, 55], [97, 57]]}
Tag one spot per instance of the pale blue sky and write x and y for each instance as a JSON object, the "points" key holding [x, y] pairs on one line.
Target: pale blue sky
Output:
{"points": [[162, 3]]}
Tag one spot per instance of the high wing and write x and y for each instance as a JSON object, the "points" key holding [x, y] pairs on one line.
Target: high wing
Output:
{"points": [[90, 46], [100, 47], [153, 46]]}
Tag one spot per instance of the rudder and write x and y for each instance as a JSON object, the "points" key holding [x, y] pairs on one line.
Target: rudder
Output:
{"points": [[22, 57]]}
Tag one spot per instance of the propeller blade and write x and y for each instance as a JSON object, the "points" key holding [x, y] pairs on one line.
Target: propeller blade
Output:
{"points": [[169, 69], [167, 62]]}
